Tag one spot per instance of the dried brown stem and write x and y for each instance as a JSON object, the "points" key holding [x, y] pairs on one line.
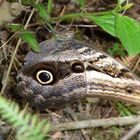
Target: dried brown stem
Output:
{"points": [[120, 121]]}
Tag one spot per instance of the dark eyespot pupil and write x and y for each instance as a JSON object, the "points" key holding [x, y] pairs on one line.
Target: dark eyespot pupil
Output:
{"points": [[44, 76], [129, 90], [77, 67]]}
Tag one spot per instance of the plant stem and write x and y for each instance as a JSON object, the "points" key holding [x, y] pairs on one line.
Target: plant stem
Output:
{"points": [[78, 15], [119, 121]]}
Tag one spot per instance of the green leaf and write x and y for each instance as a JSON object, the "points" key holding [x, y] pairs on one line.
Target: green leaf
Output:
{"points": [[120, 1], [42, 10], [128, 31], [129, 5], [27, 2], [117, 50], [50, 6], [124, 110], [81, 3], [30, 39], [16, 27], [43, 13], [107, 22]]}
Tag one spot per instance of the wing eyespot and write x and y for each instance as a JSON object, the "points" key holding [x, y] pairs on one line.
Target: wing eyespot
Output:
{"points": [[77, 67], [44, 77]]}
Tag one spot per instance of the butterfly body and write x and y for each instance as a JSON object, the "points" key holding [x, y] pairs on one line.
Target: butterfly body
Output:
{"points": [[67, 70]]}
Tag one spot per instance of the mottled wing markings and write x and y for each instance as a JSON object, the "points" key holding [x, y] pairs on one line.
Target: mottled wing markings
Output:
{"points": [[104, 63]]}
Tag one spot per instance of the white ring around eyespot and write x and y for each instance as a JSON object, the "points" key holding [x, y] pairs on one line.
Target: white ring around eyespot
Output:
{"points": [[44, 83]]}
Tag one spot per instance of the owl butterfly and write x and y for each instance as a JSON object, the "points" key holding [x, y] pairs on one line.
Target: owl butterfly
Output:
{"points": [[66, 70]]}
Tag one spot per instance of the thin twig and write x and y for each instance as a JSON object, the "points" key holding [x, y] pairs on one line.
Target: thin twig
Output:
{"points": [[127, 1], [14, 54], [120, 121], [9, 68], [74, 117], [11, 63], [131, 133], [2, 46], [136, 65]]}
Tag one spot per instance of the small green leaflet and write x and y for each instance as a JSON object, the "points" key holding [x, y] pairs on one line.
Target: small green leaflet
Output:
{"points": [[128, 31], [30, 39], [16, 27], [107, 22], [42, 10], [50, 6], [123, 27], [117, 49], [121, 1], [124, 110], [81, 3]]}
